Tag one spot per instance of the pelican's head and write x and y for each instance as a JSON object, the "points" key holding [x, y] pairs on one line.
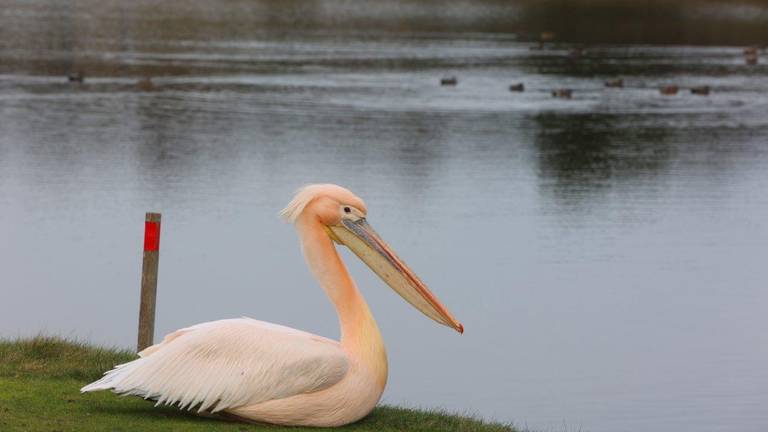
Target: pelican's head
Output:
{"points": [[343, 215]]}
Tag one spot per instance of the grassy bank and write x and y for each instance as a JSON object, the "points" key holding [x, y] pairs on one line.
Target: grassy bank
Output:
{"points": [[40, 380]]}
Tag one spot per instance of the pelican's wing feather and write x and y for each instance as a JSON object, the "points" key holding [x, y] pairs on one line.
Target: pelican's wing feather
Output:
{"points": [[229, 363]]}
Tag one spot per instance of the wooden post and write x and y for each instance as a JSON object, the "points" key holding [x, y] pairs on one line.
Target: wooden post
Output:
{"points": [[149, 280]]}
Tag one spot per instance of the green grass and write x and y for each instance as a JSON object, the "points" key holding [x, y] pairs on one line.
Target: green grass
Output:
{"points": [[40, 380]]}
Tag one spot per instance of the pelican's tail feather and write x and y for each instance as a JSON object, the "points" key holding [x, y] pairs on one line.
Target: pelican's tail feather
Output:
{"points": [[111, 379]]}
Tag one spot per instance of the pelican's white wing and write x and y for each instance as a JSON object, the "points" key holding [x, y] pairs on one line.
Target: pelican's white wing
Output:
{"points": [[227, 364]]}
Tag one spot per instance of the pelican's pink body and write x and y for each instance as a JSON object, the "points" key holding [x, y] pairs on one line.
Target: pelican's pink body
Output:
{"points": [[268, 373]]}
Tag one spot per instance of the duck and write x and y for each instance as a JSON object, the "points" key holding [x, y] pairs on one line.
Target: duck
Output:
{"points": [[76, 77], [750, 51], [701, 90], [669, 90], [146, 84], [562, 93]]}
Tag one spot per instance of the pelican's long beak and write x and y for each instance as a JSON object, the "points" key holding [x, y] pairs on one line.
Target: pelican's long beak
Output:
{"points": [[369, 247]]}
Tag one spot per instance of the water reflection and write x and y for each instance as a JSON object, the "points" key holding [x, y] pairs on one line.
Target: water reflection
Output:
{"points": [[113, 39], [581, 154]]}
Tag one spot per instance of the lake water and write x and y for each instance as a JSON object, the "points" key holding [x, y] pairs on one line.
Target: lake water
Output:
{"points": [[606, 254]]}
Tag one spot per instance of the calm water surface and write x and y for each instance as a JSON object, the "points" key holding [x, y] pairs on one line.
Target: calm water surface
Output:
{"points": [[606, 254]]}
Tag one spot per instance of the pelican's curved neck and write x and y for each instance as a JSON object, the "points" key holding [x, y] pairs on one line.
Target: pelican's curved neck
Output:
{"points": [[359, 333]]}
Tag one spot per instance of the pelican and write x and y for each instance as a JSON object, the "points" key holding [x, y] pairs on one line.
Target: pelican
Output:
{"points": [[262, 372]]}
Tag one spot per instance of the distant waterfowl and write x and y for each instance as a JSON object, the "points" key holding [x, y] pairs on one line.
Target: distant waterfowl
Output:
{"points": [[547, 36], [669, 90], [751, 59], [76, 77], [519, 87], [449, 81], [146, 84], [617, 83], [562, 93], [750, 51], [701, 90]]}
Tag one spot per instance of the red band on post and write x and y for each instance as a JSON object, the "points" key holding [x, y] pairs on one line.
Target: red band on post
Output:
{"points": [[151, 236]]}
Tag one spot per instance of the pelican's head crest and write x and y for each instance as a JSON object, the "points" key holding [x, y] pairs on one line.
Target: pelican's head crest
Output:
{"points": [[308, 193]]}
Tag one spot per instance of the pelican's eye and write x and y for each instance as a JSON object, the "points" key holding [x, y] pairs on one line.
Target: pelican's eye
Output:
{"points": [[347, 210]]}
